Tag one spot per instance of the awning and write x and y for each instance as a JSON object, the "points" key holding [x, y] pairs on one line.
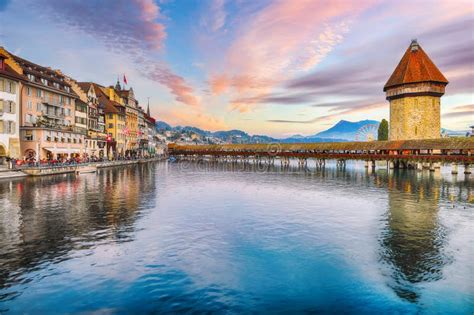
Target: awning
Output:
{"points": [[63, 150]]}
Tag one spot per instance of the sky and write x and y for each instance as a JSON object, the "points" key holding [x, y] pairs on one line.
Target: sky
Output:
{"points": [[270, 67]]}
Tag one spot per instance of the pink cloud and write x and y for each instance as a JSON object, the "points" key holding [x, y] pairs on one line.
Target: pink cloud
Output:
{"points": [[126, 27], [180, 116], [284, 38]]}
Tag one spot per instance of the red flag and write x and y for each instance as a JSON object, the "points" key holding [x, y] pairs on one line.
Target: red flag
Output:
{"points": [[125, 79]]}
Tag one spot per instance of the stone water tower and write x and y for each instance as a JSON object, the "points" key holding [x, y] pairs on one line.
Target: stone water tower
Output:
{"points": [[414, 91]]}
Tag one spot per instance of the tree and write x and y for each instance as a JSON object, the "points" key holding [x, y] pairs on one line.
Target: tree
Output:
{"points": [[383, 130]]}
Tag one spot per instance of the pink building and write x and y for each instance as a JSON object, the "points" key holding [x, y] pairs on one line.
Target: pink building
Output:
{"points": [[47, 113]]}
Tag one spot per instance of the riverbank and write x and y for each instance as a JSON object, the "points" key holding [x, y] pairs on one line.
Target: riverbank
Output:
{"points": [[73, 168]]}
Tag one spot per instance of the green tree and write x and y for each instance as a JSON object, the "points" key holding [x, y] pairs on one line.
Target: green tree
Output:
{"points": [[383, 130]]}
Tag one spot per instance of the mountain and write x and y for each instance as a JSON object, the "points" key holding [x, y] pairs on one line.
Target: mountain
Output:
{"points": [[346, 129], [342, 131], [161, 125], [454, 133]]}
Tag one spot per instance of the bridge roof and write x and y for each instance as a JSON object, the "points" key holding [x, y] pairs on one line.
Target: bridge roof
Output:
{"points": [[463, 143]]}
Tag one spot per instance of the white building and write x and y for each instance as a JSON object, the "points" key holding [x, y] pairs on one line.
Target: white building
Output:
{"points": [[9, 111]]}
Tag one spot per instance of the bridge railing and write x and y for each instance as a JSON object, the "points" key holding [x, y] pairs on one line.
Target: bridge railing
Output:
{"points": [[458, 158]]}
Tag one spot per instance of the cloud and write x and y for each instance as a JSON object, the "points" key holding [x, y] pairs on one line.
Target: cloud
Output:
{"points": [[180, 116], [125, 27], [279, 41], [356, 109], [215, 17], [461, 111]]}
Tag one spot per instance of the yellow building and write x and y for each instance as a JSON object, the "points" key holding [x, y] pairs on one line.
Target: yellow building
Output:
{"points": [[115, 121], [132, 131], [414, 91]]}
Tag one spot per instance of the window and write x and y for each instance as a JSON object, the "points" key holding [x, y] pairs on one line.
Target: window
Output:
{"points": [[111, 125], [28, 135], [111, 116], [38, 106], [28, 91], [31, 77], [38, 93], [30, 105], [11, 87]]}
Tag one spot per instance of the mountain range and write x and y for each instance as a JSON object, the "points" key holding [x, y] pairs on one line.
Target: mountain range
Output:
{"points": [[342, 131]]}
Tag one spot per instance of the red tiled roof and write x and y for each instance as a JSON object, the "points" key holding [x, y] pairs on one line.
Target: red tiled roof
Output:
{"points": [[12, 74], [84, 86], [104, 100], [415, 66]]}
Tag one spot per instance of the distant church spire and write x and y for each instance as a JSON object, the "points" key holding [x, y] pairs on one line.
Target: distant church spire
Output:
{"points": [[148, 108], [117, 85]]}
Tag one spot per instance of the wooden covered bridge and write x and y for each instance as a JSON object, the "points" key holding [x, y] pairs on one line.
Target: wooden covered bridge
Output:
{"points": [[418, 154]]}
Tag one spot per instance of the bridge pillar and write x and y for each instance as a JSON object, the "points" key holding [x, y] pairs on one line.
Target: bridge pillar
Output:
{"points": [[454, 168], [432, 167], [467, 169], [373, 164], [419, 166]]}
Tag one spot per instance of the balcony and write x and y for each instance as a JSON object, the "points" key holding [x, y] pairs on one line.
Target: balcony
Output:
{"points": [[53, 113]]}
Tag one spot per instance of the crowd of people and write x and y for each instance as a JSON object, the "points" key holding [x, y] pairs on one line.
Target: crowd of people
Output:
{"points": [[65, 161]]}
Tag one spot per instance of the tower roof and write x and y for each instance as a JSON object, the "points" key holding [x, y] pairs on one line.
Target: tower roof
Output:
{"points": [[415, 66]]}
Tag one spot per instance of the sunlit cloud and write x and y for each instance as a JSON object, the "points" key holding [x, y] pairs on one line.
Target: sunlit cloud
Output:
{"points": [[125, 27]]}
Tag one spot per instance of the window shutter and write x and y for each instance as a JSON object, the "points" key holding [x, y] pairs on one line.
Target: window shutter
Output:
{"points": [[1, 126], [2, 85], [12, 107], [1, 106], [12, 127], [13, 87]]}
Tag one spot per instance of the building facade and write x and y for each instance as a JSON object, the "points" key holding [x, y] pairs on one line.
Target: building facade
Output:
{"points": [[10, 85], [414, 91], [95, 143], [47, 126]]}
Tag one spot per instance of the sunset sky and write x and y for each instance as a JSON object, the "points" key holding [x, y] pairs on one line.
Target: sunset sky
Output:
{"points": [[266, 67]]}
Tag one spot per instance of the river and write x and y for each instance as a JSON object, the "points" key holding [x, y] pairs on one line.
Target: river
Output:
{"points": [[183, 237]]}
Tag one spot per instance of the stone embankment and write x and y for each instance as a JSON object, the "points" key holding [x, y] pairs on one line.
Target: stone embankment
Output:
{"points": [[76, 168]]}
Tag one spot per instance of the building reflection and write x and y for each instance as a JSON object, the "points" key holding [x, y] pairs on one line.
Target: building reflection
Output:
{"points": [[45, 218], [413, 239]]}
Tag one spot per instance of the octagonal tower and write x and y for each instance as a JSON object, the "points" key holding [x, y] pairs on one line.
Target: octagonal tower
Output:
{"points": [[414, 91]]}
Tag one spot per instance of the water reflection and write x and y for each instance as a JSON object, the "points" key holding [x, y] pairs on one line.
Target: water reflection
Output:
{"points": [[43, 219], [413, 241], [206, 237]]}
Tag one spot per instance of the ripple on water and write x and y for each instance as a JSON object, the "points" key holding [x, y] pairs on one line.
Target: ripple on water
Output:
{"points": [[163, 238]]}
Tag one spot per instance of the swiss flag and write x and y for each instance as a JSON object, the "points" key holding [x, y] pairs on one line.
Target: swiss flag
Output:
{"points": [[125, 79]]}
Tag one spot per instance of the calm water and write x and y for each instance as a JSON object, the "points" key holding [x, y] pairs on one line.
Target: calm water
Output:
{"points": [[180, 237]]}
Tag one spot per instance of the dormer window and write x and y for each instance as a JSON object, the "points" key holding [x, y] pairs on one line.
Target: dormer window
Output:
{"points": [[67, 88], [44, 81], [31, 77]]}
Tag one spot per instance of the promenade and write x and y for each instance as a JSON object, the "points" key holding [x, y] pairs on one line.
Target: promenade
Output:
{"points": [[63, 168]]}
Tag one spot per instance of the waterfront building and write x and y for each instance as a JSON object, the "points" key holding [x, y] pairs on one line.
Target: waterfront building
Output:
{"points": [[47, 126], [132, 112], [96, 136], [414, 91], [115, 120], [10, 85]]}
